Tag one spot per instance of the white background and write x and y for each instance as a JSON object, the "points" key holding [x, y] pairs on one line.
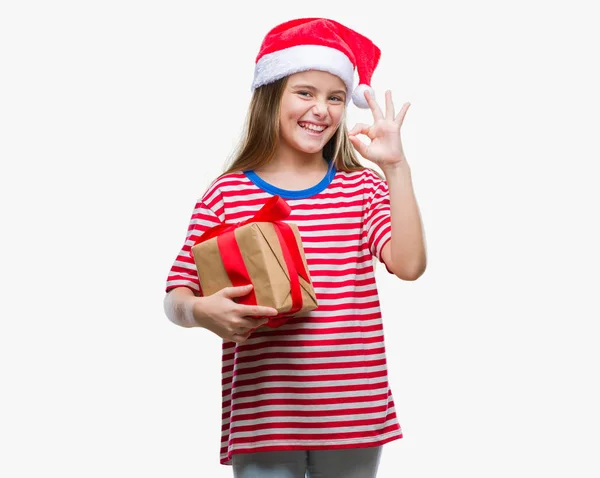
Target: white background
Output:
{"points": [[114, 117]]}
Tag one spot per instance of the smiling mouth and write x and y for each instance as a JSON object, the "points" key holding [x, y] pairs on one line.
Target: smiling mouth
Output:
{"points": [[312, 129]]}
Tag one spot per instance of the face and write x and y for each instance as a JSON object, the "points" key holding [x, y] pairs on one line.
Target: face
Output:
{"points": [[312, 107]]}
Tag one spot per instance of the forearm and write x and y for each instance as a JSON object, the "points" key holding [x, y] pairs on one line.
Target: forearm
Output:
{"points": [[179, 307], [407, 248]]}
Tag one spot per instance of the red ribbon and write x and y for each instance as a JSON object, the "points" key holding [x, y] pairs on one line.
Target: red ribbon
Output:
{"points": [[273, 211]]}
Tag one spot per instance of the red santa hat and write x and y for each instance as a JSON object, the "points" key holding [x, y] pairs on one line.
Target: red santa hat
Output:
{"points": [[318, 44]]}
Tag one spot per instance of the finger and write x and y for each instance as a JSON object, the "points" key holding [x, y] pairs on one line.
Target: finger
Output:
{"points": [[239, 338], [258, 311], [377, 113], [359, 146], [400, 118], [240, 330], [360, 128], [240, 291], [389, 106], [247, 324]]}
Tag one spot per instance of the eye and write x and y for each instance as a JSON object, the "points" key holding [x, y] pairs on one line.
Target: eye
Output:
{"points": [[336, 98], [302, 93]]}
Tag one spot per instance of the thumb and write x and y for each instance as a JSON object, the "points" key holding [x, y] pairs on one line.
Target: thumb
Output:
{"points": [[231, 292]]}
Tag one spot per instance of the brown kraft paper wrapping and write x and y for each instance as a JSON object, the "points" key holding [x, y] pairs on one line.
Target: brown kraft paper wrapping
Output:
{"points": [[263, 257]]}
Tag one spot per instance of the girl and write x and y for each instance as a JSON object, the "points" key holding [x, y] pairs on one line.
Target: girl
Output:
{"points": [[312, 395]]}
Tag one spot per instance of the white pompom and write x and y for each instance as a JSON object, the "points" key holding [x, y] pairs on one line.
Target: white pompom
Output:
{"points": [[358, 96]]}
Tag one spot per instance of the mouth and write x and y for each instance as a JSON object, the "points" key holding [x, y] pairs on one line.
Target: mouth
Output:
{"points": [[312, 129]]}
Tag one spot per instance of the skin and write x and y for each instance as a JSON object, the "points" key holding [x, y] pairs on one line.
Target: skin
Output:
{"points": [[405, 254], [218, 312], [314, 97]]}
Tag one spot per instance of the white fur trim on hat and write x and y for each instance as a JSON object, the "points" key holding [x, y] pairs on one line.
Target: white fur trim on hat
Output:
{"points": [[276, 65]]}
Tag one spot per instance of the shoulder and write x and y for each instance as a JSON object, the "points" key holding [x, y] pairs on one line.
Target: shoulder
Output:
{"points": [[228, 181], [224, 185], [371, 176], [365, 179]]}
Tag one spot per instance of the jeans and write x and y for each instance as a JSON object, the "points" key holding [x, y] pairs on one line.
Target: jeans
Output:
{"points": [[346, 463]]}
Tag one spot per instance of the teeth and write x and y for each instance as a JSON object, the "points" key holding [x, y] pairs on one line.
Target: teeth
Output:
{"points": [[312, 127]]}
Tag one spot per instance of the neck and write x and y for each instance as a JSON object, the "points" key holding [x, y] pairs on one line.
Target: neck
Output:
{"points": [[294, 161]]}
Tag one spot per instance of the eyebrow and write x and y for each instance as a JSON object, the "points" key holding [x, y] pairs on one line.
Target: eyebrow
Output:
{"points": [[312, 88]]}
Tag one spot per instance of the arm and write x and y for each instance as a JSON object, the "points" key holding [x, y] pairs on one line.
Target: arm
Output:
{"points": [[179, 307], [218, 312], [184, 304], [404, 254]]}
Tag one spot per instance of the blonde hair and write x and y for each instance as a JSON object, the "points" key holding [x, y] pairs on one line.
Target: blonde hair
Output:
{"points": [[261, 135]]}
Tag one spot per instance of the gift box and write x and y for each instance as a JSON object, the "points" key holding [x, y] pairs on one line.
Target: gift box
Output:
{"points": [[263, 251]]}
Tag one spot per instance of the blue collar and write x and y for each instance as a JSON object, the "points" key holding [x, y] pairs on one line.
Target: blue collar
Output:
{"points": [[292, 194]]}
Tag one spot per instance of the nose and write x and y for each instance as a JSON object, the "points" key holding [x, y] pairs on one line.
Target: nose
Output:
{"points": [[320, 108]]}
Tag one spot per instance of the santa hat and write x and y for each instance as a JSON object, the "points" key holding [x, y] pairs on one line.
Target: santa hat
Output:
{"points": [[318, 44]]}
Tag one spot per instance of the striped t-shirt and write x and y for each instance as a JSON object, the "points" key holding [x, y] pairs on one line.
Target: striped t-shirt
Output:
{"points": [[320, 380]]}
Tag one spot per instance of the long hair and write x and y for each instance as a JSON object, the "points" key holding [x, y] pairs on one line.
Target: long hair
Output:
{"points": [[261, 135]]}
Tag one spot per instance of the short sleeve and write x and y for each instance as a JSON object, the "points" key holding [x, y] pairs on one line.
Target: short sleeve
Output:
{"points": [[378, 224], [183, 272]]}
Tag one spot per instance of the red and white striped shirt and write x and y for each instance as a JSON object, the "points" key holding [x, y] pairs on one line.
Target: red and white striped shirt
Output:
{"points": [[319, 381]]}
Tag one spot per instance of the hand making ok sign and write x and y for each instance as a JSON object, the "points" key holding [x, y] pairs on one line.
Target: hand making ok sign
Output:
{"points": [[385, 149]]}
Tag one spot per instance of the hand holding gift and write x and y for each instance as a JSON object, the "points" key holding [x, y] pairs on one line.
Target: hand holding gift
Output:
{"points": [[228, 319], [263, 251]]}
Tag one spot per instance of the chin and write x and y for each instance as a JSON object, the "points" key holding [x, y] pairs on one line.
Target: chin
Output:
{"points": [[310, 147]]}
